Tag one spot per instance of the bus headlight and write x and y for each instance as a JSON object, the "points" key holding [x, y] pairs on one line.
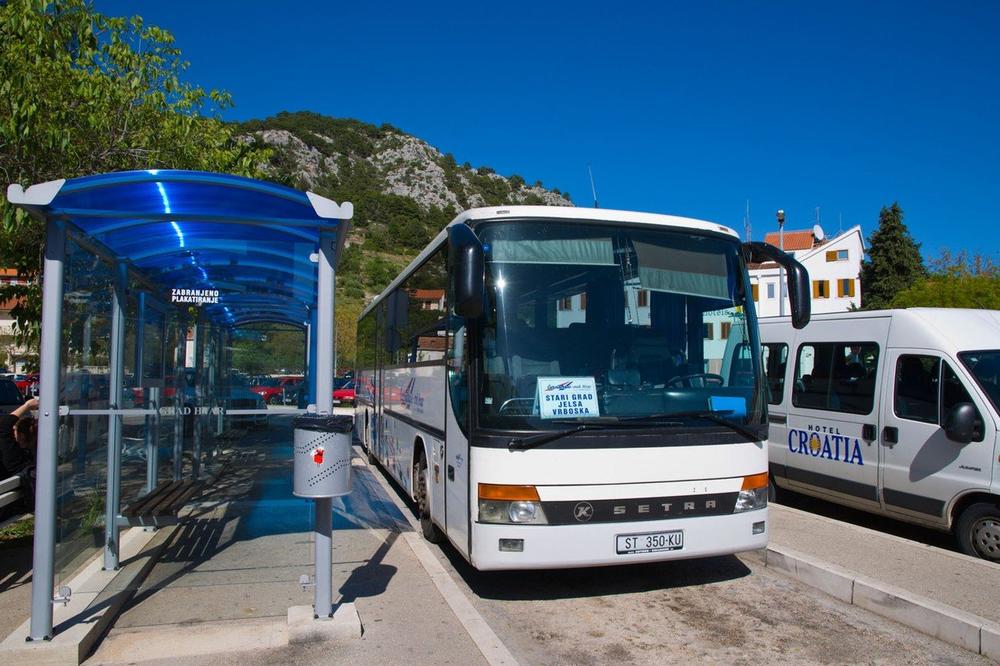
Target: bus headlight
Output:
{"points": [[510, 505], [753, 495]]}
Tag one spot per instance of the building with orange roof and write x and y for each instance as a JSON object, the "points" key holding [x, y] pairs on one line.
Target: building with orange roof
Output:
{"points": [[834, 266]]}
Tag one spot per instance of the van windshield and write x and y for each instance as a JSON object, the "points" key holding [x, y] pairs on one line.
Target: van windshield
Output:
{"points": [[985, 367], [605, 322]]}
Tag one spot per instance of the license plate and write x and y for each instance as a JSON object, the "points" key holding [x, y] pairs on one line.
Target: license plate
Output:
{"points": [[649, 542]]}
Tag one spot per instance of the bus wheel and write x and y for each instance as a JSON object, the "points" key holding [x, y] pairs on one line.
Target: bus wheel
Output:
{"points": [[978, 531], [427, 526]]}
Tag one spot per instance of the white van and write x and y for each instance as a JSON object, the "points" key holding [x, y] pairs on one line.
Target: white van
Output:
{"points": [[895, 412]]}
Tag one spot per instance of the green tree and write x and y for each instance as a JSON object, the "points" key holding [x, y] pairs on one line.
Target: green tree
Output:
{"points": [[895, 262], [83, 93], [955, 281]]}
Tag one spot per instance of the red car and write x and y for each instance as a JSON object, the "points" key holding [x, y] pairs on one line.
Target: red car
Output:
{"points": [[27, 384], [277, 390], [343, 390]]}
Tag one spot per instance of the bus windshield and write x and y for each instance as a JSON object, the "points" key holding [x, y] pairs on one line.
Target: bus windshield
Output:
{"points": [[611, 323]]}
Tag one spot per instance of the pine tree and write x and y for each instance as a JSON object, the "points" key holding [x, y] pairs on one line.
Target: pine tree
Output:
{"points": [[894, 260]]}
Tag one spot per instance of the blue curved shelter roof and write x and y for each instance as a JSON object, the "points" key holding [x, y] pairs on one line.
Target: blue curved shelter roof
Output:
{"points": [[248, 239]]}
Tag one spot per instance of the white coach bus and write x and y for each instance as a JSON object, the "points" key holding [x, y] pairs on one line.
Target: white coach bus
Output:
{"points": [[537, 381]]}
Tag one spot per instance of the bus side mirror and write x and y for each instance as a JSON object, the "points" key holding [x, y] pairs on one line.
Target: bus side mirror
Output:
{"points": [[797, 276], [465, 257], [960, 422]]}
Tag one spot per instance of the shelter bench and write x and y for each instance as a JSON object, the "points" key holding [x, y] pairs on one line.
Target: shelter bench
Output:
{"points": [[159, 507], [10, 491]]}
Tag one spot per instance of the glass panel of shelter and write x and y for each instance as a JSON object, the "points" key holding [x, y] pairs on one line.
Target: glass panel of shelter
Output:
{"points": [[150, 357]]}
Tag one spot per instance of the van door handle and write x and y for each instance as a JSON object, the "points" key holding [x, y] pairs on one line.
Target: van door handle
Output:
{"points": [[868, 432], [890, 435], [777, 418], [451, 473]]}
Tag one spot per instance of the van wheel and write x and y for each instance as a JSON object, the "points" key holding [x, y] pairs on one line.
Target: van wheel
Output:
{"points": [[978, 531], [427, 526]]}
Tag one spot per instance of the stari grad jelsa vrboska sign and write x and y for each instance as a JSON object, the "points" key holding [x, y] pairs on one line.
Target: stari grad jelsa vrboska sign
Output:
{"points": [[194, 296]]}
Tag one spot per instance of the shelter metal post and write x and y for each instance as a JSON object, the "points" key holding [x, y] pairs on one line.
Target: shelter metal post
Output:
{"points": [[43, 576], [312, 356], [196, 406], [179, 381], [116, 375], [323, 378]]}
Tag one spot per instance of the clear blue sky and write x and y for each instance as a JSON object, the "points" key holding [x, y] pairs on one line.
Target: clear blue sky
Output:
{"points": [[683, 108]]}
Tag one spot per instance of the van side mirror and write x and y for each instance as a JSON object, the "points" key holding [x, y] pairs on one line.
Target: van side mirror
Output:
{"points": [[467, 264], [797, 277], [960, 423]]}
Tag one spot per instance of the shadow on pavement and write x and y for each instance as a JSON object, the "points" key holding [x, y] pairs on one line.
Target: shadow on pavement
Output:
{"points": [[597, 581], [16, 567]]}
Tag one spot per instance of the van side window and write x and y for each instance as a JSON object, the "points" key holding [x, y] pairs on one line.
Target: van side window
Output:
{"points": [[916, 390], [836, 376], [775, 359], [953, 392]]}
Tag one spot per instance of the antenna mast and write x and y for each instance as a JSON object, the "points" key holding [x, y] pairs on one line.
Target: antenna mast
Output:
{"points": [[747, 229], [593, 188]]}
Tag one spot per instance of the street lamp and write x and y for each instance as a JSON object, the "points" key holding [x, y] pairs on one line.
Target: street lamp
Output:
{"points": [[781, 271]]}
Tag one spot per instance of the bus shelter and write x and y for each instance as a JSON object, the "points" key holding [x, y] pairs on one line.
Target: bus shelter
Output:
{"points": [[147, 274]]}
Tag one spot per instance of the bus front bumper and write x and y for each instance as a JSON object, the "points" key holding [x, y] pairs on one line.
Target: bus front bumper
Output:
{"points": [[585, 545]]}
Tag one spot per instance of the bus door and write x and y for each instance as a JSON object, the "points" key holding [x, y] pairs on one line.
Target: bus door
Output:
{"points": [[832, 437], [922, 470], [457, 451]]}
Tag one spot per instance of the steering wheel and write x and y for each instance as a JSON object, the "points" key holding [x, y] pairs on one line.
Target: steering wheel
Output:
{"points": [[696, 380]]}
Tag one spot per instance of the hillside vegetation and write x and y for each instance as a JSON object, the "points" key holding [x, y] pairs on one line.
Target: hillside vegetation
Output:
{"points": [[403, 189]]}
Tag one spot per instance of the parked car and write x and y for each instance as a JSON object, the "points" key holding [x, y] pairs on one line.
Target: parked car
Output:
{"points": [[343, 390], [277, 390], [27, 384], [10, 396]]}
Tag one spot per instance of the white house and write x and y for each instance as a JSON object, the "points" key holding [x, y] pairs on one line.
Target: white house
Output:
{"points": [[834, 266]]}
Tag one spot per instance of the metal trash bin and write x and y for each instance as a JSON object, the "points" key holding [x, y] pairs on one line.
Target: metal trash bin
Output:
{"points": [[322, 455]]}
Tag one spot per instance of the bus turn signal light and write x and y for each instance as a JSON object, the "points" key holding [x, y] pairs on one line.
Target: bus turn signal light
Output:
{"points": [[755, 481], [493, 491]]}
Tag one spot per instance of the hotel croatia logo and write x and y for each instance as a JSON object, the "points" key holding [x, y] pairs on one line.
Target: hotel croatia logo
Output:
{"points": [[820, 441]]}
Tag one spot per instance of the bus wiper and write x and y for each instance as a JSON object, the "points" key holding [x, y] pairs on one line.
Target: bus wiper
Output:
{"points": [[523, 443], [716, 416]]}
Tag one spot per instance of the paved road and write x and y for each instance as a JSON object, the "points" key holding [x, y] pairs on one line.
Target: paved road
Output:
{"points": [[721, 610]]}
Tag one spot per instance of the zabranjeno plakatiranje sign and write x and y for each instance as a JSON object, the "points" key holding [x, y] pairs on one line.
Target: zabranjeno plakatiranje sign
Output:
{"points": [[194, 296]]}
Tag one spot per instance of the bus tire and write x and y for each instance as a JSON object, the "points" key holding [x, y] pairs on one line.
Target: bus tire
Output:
{"points": [[427, 526], [978, 531]]}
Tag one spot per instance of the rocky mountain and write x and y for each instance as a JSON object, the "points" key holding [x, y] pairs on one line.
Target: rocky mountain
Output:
{"points": [[404, 190]]}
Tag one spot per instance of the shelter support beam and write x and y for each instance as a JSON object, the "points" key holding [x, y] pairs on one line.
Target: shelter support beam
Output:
{"points": [[324, 341], [43, 576], [116, 375], [179, 382], [196, 420]]}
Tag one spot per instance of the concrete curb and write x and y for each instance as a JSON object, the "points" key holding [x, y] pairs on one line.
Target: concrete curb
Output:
{"points": [[944, 622]]}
